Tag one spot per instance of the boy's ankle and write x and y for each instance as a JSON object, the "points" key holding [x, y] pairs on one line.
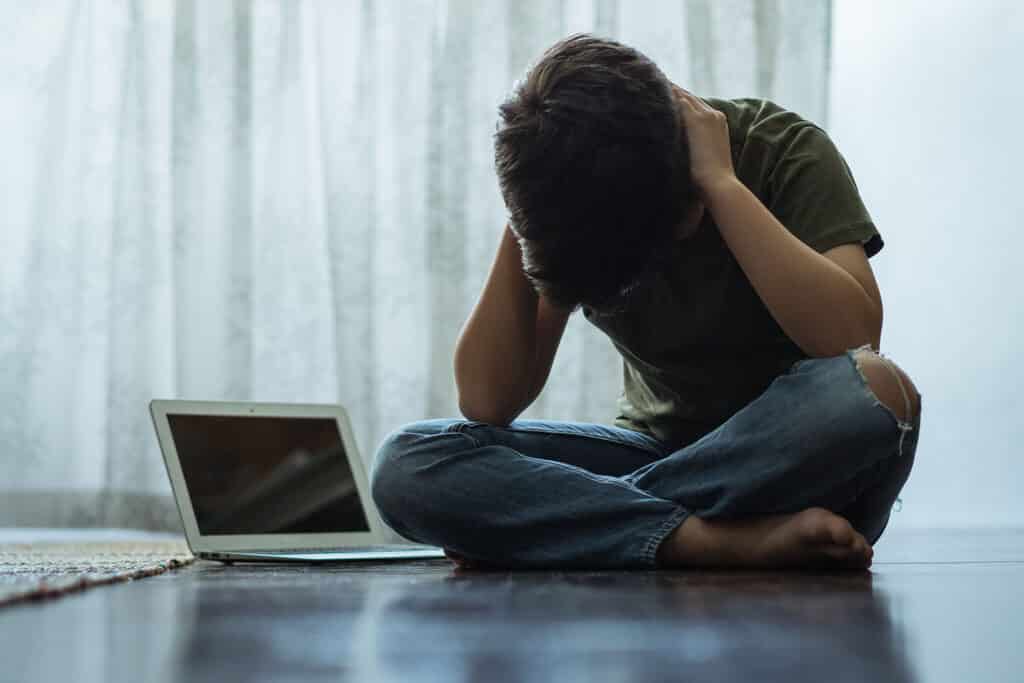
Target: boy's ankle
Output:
{"points": [[682, 546]]}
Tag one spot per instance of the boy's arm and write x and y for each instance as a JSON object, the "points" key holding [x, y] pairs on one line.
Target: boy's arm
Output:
{"points": [[826, 303], [551, 323], [818, 299], [505, 350]]}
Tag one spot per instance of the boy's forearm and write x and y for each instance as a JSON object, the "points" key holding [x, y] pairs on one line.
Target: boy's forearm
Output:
{"points": [[817, 304], [494, 355]]}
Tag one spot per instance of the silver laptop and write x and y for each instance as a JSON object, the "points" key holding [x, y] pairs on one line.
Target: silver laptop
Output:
{"points": [[272, 482]]}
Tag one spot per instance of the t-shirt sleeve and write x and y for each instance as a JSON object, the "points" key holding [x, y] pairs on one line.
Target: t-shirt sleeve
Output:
{"points": [[812, 192]]}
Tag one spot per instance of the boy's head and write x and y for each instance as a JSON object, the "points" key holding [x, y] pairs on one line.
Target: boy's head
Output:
{"points": [[594, 170]]}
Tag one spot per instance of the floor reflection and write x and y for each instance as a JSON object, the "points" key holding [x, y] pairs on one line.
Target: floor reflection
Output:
{"points": [[650, 626], [422, 621]]}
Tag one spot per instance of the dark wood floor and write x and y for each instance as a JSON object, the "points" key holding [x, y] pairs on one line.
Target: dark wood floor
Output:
{"points": [[937, 606]]}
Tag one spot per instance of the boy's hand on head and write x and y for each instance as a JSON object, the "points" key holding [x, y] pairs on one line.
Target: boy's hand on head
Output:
{"points": [[707, 131]]}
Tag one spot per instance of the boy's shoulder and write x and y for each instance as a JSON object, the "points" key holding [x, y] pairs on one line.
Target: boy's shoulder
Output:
{"points": [[761, 121]]}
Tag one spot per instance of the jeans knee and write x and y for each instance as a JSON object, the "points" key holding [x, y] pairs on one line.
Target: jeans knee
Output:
{"points": [[399, 456], [890, 385], [388, 474]]}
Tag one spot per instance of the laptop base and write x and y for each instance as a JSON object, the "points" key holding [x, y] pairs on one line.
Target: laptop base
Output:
{"points": [[317, 556]]}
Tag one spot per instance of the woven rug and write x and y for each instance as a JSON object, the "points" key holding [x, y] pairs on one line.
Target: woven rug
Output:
{"points": [[36, 571]]}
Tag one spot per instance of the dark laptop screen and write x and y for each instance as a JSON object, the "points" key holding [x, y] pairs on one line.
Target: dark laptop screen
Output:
{"points": [[267, 475]]}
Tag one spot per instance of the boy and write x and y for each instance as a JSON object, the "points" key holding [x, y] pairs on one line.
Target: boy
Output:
{"points": [[722, 246]]}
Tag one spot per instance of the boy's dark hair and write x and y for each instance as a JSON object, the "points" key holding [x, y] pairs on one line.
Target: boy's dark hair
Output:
{"points": [[594, 170]]}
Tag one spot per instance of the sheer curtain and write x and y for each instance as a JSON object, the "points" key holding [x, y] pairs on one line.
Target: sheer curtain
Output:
{"points": [[285, 201]]}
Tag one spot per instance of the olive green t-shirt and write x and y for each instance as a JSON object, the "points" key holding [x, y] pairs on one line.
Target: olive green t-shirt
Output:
{"points": [[697, 342]]}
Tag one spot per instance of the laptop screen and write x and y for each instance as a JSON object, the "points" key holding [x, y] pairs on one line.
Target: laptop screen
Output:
{"points": [[267, 475]]}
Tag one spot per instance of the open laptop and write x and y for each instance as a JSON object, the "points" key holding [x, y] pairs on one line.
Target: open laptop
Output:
{"points": [[271, 482]]}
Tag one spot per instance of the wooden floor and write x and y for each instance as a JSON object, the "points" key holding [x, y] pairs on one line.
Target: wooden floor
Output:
{"points": [[936, 606]]}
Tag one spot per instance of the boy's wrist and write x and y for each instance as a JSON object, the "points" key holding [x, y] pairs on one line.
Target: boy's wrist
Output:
{"points": [[719, 188]]}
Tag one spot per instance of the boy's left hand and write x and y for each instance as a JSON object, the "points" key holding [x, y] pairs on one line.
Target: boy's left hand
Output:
{"points": [[707, 131]]}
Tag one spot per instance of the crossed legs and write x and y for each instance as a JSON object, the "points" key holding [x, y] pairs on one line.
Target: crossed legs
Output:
{"points": [[770, 487]]}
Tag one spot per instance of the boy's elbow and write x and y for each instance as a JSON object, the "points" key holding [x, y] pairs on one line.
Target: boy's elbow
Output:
{"points": [[499, 416]]}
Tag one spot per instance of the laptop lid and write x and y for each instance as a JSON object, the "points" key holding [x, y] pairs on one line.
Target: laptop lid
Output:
{"points": [[265, 476]]}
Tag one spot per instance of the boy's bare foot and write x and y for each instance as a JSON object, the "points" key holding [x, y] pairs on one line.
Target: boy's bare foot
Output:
{"points": [[814, 537]]}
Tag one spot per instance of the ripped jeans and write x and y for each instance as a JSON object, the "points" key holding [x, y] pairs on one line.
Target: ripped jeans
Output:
{"points": [[544, 494]]}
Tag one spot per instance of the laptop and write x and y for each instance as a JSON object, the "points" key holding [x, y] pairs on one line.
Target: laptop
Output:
{"points": [[272, 482]]}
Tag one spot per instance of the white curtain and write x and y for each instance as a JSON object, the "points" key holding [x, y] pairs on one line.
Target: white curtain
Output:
{"points": [[285, 201]]}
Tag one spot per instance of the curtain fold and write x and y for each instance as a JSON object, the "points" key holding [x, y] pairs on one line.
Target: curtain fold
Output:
{"points": [[285, 201]]}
